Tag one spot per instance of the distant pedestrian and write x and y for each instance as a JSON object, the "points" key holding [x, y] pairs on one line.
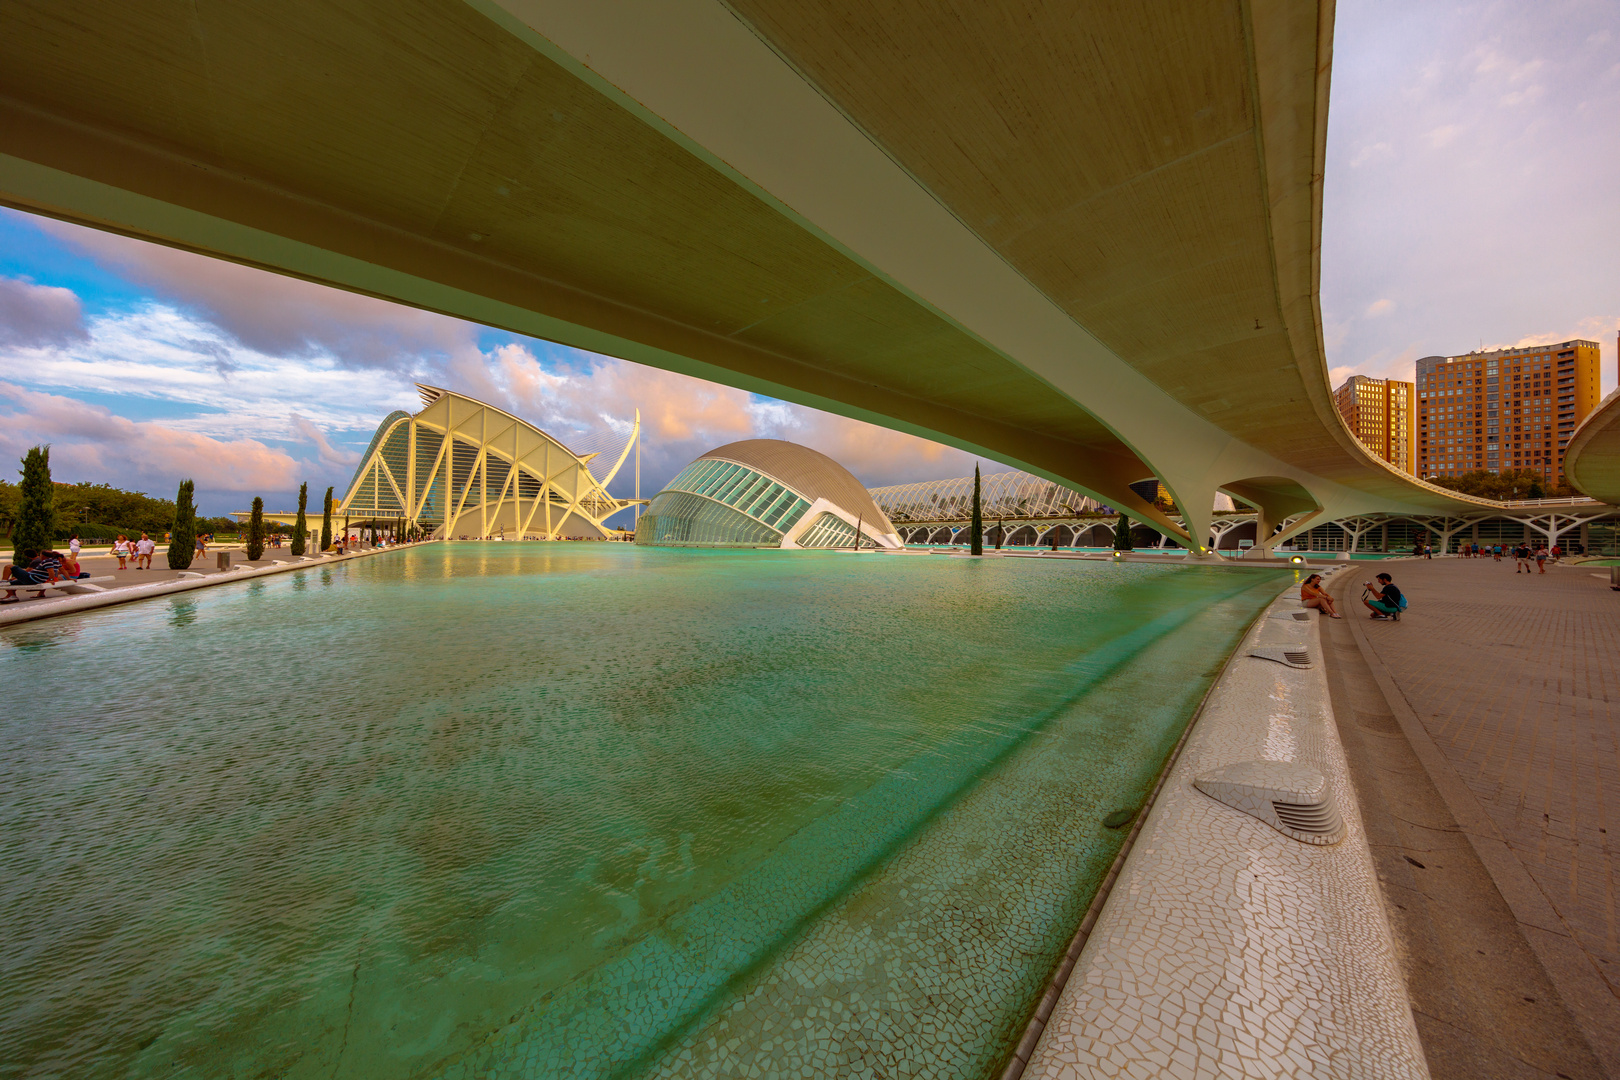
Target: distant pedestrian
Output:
{"points": [[1557, 552], [1428, 551], [143, 552], [73, 545], [1496, 552], [1475, 555], [121, 548], [1541, 559], [200, 544], [1521, 558]]}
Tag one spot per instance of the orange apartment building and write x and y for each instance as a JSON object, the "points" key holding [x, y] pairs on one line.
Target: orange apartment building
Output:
{"points": [[1506, 409], [1383, 415]]}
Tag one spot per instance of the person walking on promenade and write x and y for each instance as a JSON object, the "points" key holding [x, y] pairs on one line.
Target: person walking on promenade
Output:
{"points": [[1521, 558], [1541, 558], [1557, 552], [1496, 552], [1312, 595], [73, 544], [1387, 601], [201, 546], [144, 547], [1475, 555], [1428, 551], [121, 549]]}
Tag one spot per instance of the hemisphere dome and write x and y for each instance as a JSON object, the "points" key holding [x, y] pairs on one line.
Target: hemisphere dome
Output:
{"points": [[765, 493]]}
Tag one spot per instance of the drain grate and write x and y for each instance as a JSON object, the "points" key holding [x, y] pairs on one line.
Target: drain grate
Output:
{"points": [[1320, 819], [1293, 799], [1294, 656]]}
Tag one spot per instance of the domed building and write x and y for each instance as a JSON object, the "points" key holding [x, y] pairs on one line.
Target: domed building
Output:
{"points": [[765, 493]]}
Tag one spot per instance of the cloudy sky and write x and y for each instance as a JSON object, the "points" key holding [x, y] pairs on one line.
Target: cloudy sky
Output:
{"points": [[1473, 161]]}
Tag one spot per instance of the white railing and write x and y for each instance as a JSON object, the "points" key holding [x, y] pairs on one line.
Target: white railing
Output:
{"points": [[1567, 500]]}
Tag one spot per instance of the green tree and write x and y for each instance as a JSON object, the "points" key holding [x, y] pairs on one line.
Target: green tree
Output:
{"points": [[1122, 534], [255, 532], [35, 517], [326, 522], [301, 528], [978, 516], [183, 538]]}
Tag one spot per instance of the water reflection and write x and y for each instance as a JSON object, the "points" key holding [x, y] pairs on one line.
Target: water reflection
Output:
{"points": [[456, 781]]}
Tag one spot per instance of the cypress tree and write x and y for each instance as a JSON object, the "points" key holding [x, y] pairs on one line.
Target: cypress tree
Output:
{"points": [[301, 530], [35, 525], [255, 536], [183, 537], [326, 522], [1122, 533], [978, 516]]}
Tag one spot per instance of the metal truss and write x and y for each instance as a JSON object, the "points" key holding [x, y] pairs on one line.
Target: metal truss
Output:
{"points": [[463, 467], [1002, 495]]}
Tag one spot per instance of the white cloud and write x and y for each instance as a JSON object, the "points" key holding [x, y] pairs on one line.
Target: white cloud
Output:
{"points": [[34, 316], [90, 442], [1443, 136], [1373, 152], [327, 452], [1380, 307]]}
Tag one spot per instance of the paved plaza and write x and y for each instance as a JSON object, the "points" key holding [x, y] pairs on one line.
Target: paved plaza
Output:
{"points": [[1489, 713]]}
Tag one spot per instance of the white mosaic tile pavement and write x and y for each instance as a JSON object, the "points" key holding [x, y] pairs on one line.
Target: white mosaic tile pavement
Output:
{"points": [[1227, 949]]}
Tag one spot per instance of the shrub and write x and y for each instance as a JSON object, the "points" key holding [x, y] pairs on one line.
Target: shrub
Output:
{"points": [[300, 538], [326, 522], [255, 531], [978, 517], [183, 537], [1122, 534], [36, 505]]}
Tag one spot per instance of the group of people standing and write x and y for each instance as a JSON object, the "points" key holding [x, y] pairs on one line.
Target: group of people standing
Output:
{"points": [[141, 551]]}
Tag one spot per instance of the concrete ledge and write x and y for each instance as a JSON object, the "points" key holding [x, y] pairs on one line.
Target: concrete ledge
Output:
{"points": [[30, 610], [1226, 948]]}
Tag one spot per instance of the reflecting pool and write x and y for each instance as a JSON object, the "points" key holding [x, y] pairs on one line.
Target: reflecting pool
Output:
{"points": [[579, 810]]}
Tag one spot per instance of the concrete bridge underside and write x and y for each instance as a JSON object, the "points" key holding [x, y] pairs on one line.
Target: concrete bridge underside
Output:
{"points": [[1079, 240]]}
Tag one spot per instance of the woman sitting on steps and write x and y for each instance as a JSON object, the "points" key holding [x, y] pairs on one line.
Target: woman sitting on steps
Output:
{"points": [[1312, 595]]}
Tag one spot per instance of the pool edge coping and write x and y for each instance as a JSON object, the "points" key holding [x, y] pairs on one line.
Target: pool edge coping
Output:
{"points": [[1070, 1027], [1015, 1067], [81, 602]]}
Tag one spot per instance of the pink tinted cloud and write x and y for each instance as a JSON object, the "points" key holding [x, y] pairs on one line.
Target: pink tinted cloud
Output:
{"points": [[683, 417], [36, 316], [329, 454], [274, 314], [90, 443]]}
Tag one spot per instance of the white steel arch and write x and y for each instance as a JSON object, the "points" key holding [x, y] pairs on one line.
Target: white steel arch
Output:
{"points": [[462, 467], [1002, 494]]}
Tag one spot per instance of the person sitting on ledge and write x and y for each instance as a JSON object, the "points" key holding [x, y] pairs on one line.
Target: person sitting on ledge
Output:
{"points": [[1388, 602], [36, 570], [1312, 595]]}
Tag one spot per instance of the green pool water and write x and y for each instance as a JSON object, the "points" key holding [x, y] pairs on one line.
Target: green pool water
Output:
{"points": [[534, 810]]}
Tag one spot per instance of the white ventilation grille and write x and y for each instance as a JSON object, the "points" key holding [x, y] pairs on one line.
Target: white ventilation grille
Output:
{"points": [[1293, 799], [1294, 656]]}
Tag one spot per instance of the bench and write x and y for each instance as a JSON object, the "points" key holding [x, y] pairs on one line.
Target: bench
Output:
{"points": [[88, 584]]}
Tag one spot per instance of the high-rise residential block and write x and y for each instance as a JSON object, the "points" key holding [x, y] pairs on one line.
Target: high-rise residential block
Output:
{"points": [[1504, 409], [1383, 415]]}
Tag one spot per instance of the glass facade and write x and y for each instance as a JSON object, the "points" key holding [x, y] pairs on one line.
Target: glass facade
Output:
{"points": [[717, 502], [828, 531]]}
